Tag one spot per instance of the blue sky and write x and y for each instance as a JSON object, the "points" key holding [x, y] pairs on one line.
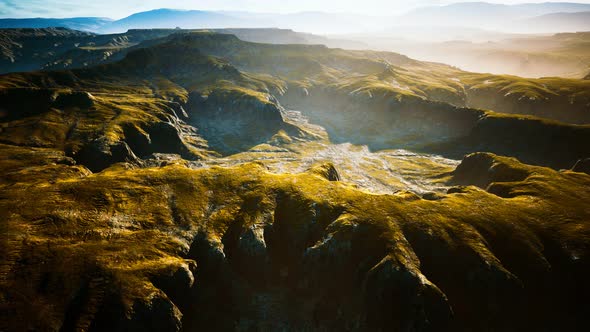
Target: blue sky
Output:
{"points": [[121, 8]]}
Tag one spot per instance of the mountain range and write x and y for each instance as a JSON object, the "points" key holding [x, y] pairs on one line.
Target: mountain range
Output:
{"points": [[566, 21], [541, 17], [493, 16]]}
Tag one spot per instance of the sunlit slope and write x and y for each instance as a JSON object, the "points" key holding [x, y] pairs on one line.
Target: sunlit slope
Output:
{"points": [[544, 97], [161, 248], [562, 54], [59, 48], [205, 93], [378, 72], [136, 107]]}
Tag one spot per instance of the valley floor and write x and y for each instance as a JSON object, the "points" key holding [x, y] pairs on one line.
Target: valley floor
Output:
{"points": [[380, 172]]}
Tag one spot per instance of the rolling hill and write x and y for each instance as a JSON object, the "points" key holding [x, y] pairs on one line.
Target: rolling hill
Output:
{"points": [[60, 48], [526, 55], [567, 22], [499, 17]]}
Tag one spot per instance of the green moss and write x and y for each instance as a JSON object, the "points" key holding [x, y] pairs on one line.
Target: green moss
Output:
{"points": [[133, 224], [121, 234]]}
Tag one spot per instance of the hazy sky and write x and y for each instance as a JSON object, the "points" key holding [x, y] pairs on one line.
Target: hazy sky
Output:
{"points": [[122, 8]]}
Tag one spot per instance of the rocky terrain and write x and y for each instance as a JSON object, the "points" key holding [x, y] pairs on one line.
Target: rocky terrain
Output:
{"points": [[202, 182], [28, 49]]}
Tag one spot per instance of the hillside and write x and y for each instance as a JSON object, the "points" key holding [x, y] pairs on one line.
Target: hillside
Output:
{"points": [[58, 48], [168, 242], [500, 17], [203, 182], [36, 49], [568, 22], [429, 104], [501, 93], [338, 89], [562, 55]]}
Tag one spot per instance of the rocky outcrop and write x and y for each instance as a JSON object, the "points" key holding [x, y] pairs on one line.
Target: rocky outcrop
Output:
{"points": [[531, 140], [384, 120], [482, 169], [177, 282], [390, 287], [74, 99], [546, 104], [99, 154], [326, 170], [233, 120], [159, 137]]}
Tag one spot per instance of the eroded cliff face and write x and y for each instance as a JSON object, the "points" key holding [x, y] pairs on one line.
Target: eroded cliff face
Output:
{"points": [[232, 121], [548, 104], [166, 100], [531, 140], [381, 120], [189, 95], [240, 248]]}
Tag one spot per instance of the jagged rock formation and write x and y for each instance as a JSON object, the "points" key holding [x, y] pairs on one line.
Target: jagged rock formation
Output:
{"points": [[326, 170], [225, 103], [99, 122], [538, 98], [532, 140], [59, 48], [229, 127], [506, 94], [241, 248]]}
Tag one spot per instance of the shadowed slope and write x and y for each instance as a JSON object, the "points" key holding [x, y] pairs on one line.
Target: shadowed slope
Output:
{"points": [[134, 107], [226, 91], [219, 248]]}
